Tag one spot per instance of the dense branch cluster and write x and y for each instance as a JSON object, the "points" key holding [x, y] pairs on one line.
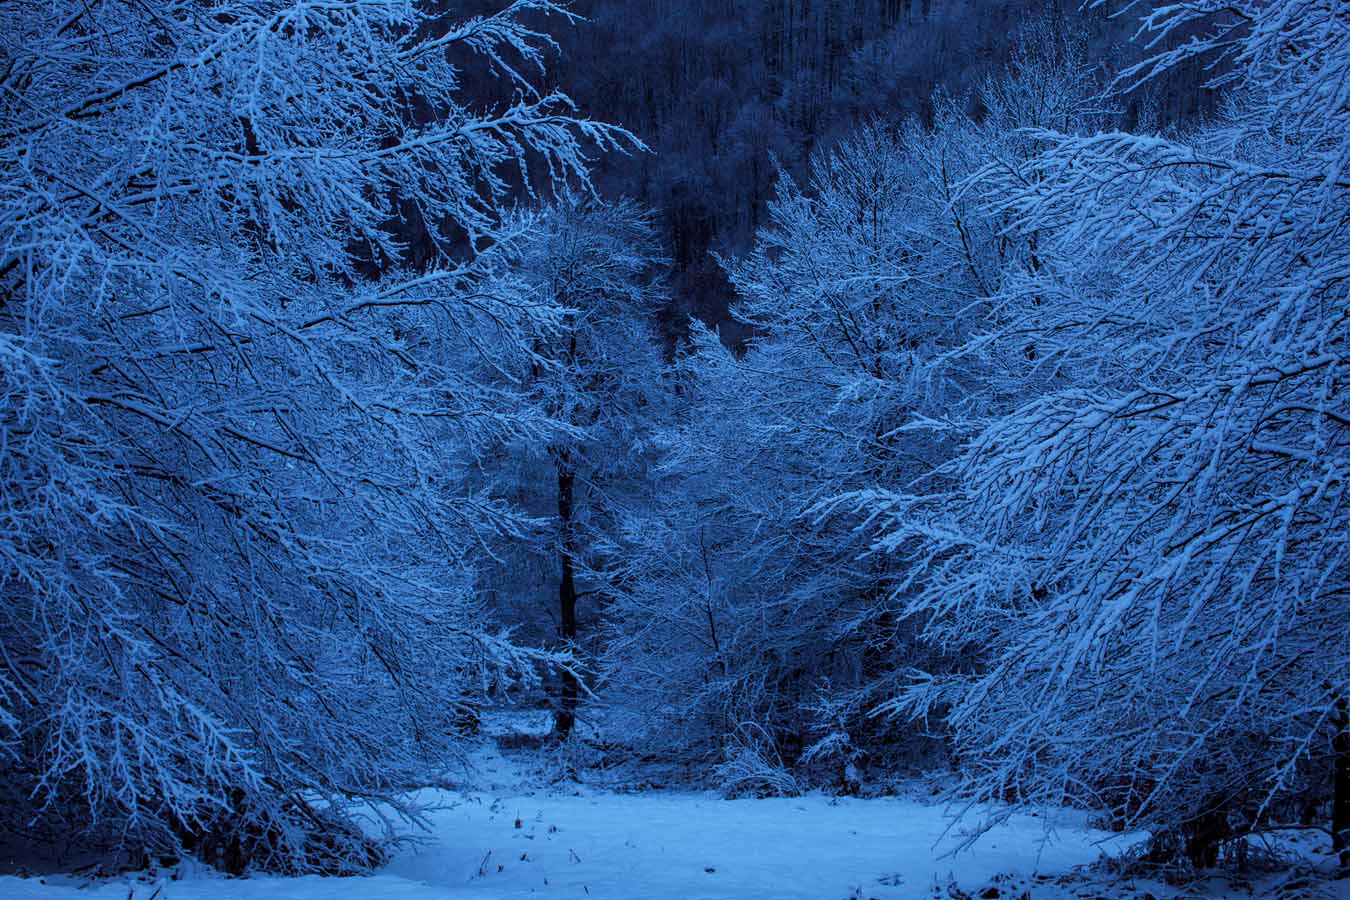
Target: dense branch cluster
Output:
{"points": [[237, 553]]}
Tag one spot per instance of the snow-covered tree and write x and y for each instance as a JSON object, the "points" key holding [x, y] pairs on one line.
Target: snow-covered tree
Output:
{"points": [[1148, 549], [237, 555], [596, 375], [778, 628]]}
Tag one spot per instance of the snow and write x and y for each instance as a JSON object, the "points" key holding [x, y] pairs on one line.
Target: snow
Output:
{"points": [[700, 846], [655, 846]]}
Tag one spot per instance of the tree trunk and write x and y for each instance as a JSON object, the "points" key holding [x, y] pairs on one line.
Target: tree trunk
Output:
{"points": [[1340, 789], [1205, 834], [567, 600]]}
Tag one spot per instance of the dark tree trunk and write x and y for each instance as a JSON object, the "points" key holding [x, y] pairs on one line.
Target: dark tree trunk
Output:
{"points": [[1205, 835], [567, 600], [1340, 789]]}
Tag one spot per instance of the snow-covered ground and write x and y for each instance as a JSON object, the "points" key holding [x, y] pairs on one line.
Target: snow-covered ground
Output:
{"points": [[508, 841], [671, 846]]}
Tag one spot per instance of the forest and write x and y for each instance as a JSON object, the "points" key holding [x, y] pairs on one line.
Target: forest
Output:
{"points": [[856, 436]]}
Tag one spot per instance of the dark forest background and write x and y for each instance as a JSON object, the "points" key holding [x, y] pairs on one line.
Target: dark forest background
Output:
{"points": [[727, 92]]}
